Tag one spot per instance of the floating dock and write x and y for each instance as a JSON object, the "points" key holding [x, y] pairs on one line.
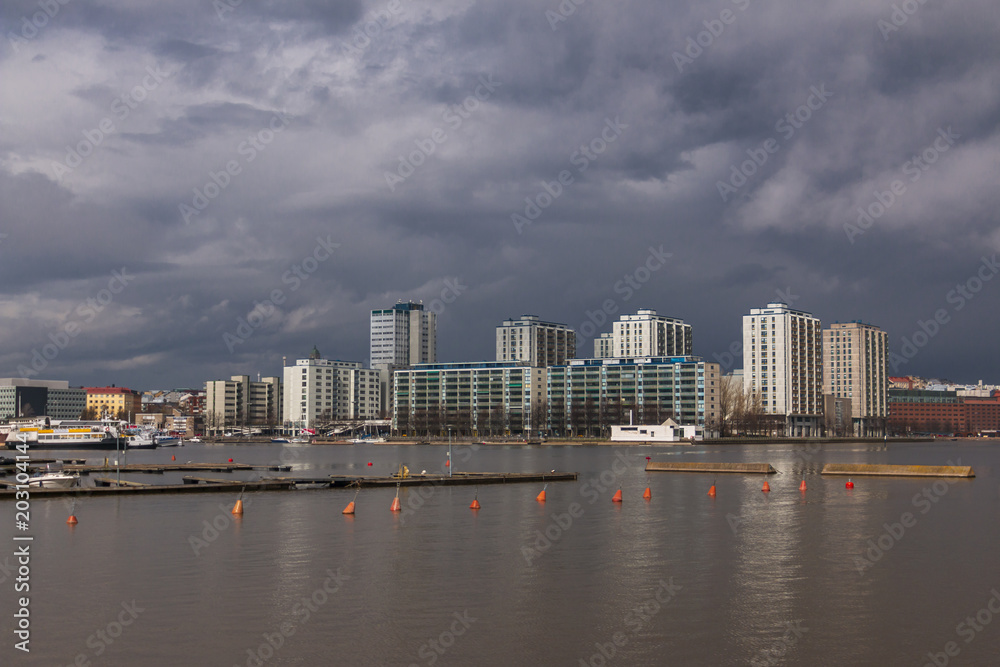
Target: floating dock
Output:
{"points": [[745, 468], [192, 484], [867, 469]]}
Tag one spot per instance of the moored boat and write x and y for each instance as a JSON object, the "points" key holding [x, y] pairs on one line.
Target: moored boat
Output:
{"points": [[54, 477]]}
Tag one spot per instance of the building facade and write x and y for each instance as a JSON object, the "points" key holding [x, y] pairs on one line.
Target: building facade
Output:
{"points": [[943, 412], [403, 335], [240, 402], [534, 342], [319, 391], [116, 402], [646, 334], [587, 396], [783, 366], [21, 397], [856, 367], [484, 398]]}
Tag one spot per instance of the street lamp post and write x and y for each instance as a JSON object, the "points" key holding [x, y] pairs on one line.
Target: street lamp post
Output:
{"points": [[451, 462]]}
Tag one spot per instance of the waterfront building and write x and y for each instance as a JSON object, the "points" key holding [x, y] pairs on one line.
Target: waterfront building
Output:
{"points": [[856, 367], [116, 402], [942, 412], [22, 397], [400, 337], [242, 402], [534, 342], [587, 396], [646, 334], [319, 391], [482, 398], [783, 365]]}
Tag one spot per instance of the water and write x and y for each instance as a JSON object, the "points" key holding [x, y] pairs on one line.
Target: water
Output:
{"points": [[745, 578]]}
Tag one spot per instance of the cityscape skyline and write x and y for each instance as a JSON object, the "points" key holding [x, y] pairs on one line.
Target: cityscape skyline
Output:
{"points": [[189, 192]]}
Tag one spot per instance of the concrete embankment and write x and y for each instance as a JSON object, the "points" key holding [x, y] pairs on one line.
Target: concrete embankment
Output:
{"points": [[867, 469]]}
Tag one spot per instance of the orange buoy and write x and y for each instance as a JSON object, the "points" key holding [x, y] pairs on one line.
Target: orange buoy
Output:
{"points": [[802, 486], [173, 458], [647, 494], [395, 507], [617, 498], [711, 491], [72, 520], [447, 464], [230, 460], [238, 508], [475, 504], [850, 484], [767, 487], [541, 496], [349, 509]]}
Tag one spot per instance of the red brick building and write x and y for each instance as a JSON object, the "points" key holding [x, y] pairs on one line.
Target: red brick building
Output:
{"points": [[923, 411]]}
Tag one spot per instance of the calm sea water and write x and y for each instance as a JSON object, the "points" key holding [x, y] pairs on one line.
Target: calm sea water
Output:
{"points": [[893, 572]]}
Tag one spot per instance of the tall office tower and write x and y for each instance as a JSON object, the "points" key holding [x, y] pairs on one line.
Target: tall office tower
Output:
{"points": [[855, 367], [534, 342], [783, 364], [647, 334], [403, 335]]}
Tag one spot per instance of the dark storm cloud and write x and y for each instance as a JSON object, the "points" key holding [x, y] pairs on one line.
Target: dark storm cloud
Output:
{"points": [[363, 87]]}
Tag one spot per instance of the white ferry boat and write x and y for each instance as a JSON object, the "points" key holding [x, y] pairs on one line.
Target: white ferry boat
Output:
{"points": [[67, 434]]}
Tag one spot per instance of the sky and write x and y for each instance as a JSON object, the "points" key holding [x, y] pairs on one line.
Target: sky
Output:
{"points": [[195, 189]]}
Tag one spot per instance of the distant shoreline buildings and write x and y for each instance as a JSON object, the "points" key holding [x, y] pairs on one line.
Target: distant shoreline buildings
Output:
{"points": [[798, 379]]}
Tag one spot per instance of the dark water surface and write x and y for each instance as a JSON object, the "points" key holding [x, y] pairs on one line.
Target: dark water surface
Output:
{"points": [[745, 578]]}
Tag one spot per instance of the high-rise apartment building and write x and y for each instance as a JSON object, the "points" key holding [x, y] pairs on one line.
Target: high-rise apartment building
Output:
{"points": [[783, 365], [403, 335], [242, 402], [855, 367], [645, 334], [321, 390], [534, 342]]}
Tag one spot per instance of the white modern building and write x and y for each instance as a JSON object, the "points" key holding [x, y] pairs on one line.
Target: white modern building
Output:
{"points": [[403, 335], [783, 365], [856, 367], [242, 402], [534, 342], [645, 334], [319, 391], [668, 431]]}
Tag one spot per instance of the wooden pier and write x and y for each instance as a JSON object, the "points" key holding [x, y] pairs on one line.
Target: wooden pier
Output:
{"points": [[746, 468]]}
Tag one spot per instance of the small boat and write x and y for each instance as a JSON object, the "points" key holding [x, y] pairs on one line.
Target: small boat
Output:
{"points": [[194, 439], [54, 477], [164, 439], [280, 440], [141, 440]]}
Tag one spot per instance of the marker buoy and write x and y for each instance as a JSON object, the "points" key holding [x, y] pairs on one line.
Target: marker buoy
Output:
{"points": [[238, 507], [369, 463], [350, 506], [447, 464], [475, 502], [767, 487], [647, 494], [395, 507], [711, 491], [802, 486], [541, 496], [617, 498], [850, 484], [72, 520], [230, 460], [173, 458]]}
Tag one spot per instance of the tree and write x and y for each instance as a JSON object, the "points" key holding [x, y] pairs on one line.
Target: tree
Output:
{"points": [[89, 413]]}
